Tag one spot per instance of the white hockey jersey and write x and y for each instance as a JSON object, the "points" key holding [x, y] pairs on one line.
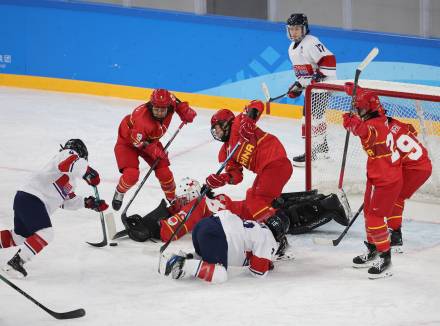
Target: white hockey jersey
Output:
{"points": [[54, 185], [249, 243], [309, 56]]}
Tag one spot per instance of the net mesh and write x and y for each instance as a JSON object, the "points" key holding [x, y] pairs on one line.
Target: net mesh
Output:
{"points": [[421, 108]]}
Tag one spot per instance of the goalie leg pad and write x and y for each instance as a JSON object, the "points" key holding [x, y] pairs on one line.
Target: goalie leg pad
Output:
{"points": [[332, 207], [305, 217]]}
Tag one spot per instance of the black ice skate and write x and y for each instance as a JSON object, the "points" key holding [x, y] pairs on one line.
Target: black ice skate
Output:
{"points": [[365, 260], [396, 240], [319, 152], [118, 197], [381, 266], [299, 160], [15, 267]]}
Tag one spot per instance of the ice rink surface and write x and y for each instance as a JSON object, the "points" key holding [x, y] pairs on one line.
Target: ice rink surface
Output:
{"points": [[120, 285]]}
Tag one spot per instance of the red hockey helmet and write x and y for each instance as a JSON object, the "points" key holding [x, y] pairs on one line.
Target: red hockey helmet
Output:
{"points": [[161, 100], [254, 109], [368, 102], [221, 124]]}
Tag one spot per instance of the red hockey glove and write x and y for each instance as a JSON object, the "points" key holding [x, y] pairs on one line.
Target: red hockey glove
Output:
{"points": [[247, 129], [92, 177], [355, 124], [138, 138], [95, 204], [295, 90], [217, 180], [156, 151], [185, 113]]}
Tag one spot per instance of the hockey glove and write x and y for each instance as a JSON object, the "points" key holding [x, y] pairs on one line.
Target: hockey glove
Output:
{"points": [[247, 129], [92, 177], [138, 139], [185, 113], [217, 180], [355, 124], [295, 90], [95, 204], [156, 151], [318, 77]]}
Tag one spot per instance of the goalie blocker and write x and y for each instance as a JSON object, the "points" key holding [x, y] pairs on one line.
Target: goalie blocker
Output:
{"points": [[306, 210]]}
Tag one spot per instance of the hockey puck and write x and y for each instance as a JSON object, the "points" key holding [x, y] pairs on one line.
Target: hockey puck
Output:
{"points": [[113, 244]]}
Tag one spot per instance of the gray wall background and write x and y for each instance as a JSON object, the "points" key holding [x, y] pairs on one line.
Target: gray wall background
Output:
{"points": [[410, 17]]}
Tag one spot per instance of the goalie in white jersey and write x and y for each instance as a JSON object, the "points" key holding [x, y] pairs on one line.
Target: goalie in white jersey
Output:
{"points": [[224, 240], [312, 62], [43, 193]]}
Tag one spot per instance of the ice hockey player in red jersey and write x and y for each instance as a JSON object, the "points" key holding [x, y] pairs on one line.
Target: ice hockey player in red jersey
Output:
{"points": [[259, 152], [384, 178], [139, 136], [312, 62], [416, 169], [40, 196], [224, 240], [163, 221]]}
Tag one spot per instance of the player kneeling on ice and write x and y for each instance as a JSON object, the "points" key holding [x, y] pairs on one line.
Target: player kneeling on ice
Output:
{"points": [[223, 240], [259, 152], [384, 178], [43, 193], [306, 211]]}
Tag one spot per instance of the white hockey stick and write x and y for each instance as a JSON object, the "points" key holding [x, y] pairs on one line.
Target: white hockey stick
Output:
{"points": [[111, 226], [266, 93]]}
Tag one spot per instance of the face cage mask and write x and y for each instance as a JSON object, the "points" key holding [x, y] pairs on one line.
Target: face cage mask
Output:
{"points": [[290, 37], [224, 126], [159, 110]]}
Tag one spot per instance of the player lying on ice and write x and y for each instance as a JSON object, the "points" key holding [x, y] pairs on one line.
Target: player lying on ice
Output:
{"points": [[397, 165], [306, 211], [40, 196], [223, 240]]}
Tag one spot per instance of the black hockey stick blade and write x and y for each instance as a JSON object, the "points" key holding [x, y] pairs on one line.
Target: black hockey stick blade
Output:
{"points": [[78, 313], [120, 234], [58, 315]]}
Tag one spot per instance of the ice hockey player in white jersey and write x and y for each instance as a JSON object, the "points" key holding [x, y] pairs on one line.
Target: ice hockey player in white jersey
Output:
{"points": [[312, 62], [40, 196], [224, 240]]}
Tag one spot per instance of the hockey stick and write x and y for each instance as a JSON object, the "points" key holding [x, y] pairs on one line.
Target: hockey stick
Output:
{"points": [[104, 242], [267, 94], [199, 199], [335, 242], [373, 53], [155, 163], [58, 315]]}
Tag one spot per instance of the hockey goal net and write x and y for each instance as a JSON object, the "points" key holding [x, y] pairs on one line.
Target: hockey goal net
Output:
{"points": [[325, 103]]}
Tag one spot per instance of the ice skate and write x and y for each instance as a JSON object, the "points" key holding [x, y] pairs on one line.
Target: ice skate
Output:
{"points": [[365, 260], [118, 197], [14, 267], [174, 266], [396, 241], [381, 266]]}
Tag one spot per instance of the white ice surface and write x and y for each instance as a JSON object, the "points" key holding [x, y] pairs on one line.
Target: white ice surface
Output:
{"points": [[121, 286]]}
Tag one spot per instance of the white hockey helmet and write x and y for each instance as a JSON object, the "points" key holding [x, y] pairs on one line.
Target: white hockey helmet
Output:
{"points": [[187, 190]]}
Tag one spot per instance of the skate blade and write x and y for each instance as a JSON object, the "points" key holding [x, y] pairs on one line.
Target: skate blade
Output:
{"points": [[299, 164], [397, 250], [362, 266], [285, 257], [384, 274]]}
